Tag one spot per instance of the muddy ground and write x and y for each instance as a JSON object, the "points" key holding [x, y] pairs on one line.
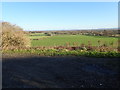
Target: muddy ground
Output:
{"points": [[60, 72]]}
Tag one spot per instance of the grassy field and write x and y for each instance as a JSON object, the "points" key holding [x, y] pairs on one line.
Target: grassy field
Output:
{"points": [[61, 40], [38, 37], [72, 45]]}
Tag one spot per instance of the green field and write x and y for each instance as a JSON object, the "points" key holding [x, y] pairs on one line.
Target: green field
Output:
{"points": [[43, 45], [38, 37], [61, 40]]}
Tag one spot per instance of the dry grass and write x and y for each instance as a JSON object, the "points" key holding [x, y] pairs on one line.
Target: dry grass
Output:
{"points": [[13, 36]]}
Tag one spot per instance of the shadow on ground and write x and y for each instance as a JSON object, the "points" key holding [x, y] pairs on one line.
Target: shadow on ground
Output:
{"points": [[60, 72]]}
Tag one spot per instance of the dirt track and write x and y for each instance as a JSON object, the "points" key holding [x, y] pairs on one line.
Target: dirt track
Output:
{"points": [[60, 72]]}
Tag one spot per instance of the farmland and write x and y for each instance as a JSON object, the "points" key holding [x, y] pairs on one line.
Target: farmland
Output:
{"points": [[69, 45], [73, 40], [97, 43], [47, 44]]}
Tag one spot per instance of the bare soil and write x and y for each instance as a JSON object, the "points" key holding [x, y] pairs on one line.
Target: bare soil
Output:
{"points": [[60, 72]]}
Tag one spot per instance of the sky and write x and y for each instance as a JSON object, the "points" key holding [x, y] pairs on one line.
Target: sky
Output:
{"points": [[61, 15]]}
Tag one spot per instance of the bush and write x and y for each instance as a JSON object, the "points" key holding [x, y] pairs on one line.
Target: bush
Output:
{"points": [[13, 36], [48, 34]]}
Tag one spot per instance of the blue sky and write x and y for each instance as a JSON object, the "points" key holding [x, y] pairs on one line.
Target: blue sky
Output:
{"points": [[61, 15]]}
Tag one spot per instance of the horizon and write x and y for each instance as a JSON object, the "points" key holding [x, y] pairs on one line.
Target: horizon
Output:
{"points": [[61, 15], [77, 29]]}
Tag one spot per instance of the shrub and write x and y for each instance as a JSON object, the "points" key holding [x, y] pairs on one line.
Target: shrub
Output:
{"points": [[13, 36], [48, 34]]}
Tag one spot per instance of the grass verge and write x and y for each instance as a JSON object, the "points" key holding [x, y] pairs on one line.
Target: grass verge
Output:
{"points": [[63, 52]]}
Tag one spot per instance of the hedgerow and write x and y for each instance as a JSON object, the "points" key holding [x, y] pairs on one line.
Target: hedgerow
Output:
{"points": [[55, 52]]}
